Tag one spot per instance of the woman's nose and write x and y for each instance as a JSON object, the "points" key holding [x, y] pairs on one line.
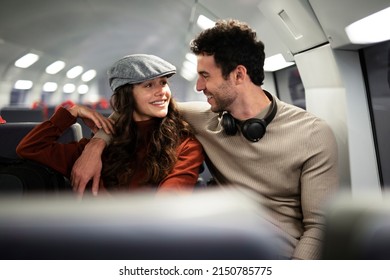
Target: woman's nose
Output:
{"points": [[161, 91]]}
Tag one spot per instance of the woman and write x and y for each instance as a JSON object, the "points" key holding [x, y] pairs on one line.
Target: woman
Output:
{"points": [[152, 146]]}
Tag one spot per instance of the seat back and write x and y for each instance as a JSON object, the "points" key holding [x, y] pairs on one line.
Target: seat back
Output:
{"points": [[12, 133], [22, 114], [139, 226], [358, 228]]}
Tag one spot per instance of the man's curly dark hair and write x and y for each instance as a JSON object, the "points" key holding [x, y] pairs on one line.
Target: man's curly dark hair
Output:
{"points": [[232, 43]]}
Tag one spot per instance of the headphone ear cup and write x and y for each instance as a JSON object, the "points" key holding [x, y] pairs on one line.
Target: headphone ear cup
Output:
{"points": [[253, 129], [229, 124]]}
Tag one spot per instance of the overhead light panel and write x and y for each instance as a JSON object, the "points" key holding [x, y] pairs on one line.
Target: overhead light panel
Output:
{"points": [[74, 72], [371, 29], [89, 75], [192, 58], [55, 67], [82, 89], [187, 74], [27, 60], [23, 84], [204, 22], [50, 87], [69, 88], [276, 62], [189, 66], [188, 69]]}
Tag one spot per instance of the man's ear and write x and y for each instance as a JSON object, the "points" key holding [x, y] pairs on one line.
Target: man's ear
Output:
{"points": [[240, 73]]}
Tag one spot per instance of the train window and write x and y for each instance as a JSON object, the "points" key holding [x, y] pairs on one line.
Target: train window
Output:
{"points": [[290, 87], [18, 96], [376, 68]]}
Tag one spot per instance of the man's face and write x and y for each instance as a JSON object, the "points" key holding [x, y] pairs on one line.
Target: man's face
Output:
{"points": [[220, 92]]}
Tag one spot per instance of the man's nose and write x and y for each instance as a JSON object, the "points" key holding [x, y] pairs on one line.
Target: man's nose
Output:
{"points": [[200, 84]]}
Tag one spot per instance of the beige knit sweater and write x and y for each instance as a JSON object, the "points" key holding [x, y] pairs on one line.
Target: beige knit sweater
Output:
{"points": [[292, 170]]}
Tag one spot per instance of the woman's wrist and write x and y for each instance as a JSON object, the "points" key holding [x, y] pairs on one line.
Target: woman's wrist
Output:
{"points": [[73, 110]]}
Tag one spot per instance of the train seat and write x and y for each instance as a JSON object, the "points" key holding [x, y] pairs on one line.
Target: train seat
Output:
{"points": [[11, 133], [358, 228], [22, 114], [228, 226]]}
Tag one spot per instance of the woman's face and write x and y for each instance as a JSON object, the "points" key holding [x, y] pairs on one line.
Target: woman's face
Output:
{"points": [[152, 99]]}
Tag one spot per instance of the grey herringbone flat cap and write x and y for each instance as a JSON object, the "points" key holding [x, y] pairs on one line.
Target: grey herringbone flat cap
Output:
{"points": [[138, 68]]}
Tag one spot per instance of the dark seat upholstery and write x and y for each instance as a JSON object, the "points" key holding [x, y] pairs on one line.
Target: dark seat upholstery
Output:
{"points": [[137, 227], [11, 134], [22, 114], [358, 229]]}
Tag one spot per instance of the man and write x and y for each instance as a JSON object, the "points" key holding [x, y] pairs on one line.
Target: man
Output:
{"points": [[252, 140]]}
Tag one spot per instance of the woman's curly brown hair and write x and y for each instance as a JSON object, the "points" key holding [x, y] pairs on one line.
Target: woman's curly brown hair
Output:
{"points": [[119, 157]]}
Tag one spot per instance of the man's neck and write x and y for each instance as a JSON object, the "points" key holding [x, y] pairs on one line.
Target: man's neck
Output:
{"points": [[251, 104]]}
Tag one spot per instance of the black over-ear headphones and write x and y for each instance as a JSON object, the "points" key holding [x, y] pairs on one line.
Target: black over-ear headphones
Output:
{"points": [[253, 129]]}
